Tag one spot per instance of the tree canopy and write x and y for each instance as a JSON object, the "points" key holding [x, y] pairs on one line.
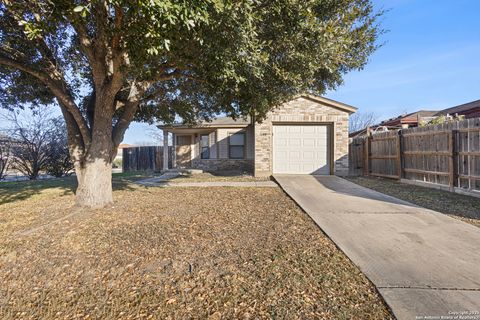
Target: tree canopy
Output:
{"points": [[200, 57], [108, 62]]}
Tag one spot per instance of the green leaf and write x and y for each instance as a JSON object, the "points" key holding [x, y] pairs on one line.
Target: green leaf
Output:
{"points": [[166, 44]]}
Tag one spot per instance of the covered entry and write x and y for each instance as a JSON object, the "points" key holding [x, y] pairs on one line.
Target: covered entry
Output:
{"points": [[302, 149]]}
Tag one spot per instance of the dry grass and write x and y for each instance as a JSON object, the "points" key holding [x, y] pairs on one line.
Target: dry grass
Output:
{"points": [[463, 207], [174, 253]]}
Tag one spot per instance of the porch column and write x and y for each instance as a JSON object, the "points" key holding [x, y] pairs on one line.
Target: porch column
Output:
{"points": [[165, 150], [174, 146]]}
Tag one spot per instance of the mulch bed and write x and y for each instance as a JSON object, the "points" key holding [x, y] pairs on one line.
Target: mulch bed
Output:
{"points": [[175, 253], [463, 207]]}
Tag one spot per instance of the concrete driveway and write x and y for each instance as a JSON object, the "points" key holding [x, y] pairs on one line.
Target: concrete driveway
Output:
{"points": [[424, 264]]}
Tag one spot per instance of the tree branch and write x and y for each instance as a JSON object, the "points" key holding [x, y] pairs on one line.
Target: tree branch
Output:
{"points": [[39, 74], [130, 108], [57, 90], [74, 136], [84, 40]]}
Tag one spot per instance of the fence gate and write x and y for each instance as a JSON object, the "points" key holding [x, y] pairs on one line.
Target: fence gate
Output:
{"points": [[145, 158], [356, 156], [384, 154]]}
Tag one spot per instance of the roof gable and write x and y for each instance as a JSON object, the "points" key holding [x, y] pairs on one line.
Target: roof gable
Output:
{"points": [[329, 102]]}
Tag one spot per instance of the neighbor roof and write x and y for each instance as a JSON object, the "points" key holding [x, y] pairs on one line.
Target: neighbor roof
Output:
{"points": [[461, 109], [410, 117], [125, 145]]}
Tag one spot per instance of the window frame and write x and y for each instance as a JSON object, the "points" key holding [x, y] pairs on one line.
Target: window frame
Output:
{"points": [[202, 147], [243, 133]]}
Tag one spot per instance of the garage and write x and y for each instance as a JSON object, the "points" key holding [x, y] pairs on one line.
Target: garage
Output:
{"points": [[301, 149]]}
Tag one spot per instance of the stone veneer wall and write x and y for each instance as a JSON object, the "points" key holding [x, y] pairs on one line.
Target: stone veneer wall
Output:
{"points": [[242, 165], [302, 110]]}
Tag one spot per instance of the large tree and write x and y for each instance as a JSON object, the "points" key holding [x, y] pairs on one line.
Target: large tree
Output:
{"points": [[108, 62]]}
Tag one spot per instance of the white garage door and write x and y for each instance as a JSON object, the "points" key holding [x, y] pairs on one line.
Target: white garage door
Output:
{"points": [[301, 149]]}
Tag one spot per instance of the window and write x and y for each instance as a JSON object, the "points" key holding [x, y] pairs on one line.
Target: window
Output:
{"points": [[204, 146], [236, 146]]}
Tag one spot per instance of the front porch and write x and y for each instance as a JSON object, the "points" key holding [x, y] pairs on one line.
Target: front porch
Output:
{"points": [[210, 147]]}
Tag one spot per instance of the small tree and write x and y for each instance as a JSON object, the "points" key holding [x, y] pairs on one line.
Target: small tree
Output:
{"points": [[4, 155], [30, 136], [442, 119], [361, 120], [38, 142], [58, 162]]}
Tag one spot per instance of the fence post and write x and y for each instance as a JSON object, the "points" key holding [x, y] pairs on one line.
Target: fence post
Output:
{"points": [[452, 168], [399, 155], [366, 167]]}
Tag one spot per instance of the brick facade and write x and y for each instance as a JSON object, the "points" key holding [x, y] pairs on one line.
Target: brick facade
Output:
{"points": [[303, 110]]}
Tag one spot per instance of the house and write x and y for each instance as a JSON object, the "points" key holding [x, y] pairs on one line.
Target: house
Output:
{"points": [[409, 120], [307, 135], [468, 110]]}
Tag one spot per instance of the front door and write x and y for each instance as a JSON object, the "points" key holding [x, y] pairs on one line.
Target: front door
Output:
{"points": [[183, 150]]}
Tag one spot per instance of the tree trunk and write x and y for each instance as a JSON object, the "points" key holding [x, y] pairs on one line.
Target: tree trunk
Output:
{"points": [[93, 160], [94, 184]]}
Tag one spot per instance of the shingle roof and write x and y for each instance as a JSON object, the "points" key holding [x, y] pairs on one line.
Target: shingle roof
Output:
{"points": [[217, 122], [460, 108], [227, 121], [414, 116]]}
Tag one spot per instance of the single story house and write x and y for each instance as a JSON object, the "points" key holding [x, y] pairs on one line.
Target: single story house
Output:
{"points": [[307, 135]]}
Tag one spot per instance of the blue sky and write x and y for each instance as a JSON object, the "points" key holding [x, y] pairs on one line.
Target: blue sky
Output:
{"points": [[430, 60]]}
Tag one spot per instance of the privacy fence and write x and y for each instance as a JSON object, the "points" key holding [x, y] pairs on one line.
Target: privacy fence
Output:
{"points": [[145, 158], [446, 155]]}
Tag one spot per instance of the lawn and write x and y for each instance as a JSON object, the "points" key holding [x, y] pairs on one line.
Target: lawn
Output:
{"points": [[463, 207], [172, 253]]}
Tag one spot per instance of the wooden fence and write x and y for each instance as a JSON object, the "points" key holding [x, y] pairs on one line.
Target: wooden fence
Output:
{"points": [[145, 158], [447, 155]]}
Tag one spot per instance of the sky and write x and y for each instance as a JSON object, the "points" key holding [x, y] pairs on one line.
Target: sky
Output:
{"points": [[429, 60]]}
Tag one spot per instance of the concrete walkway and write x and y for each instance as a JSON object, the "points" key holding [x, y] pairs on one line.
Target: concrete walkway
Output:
{"points": [[161, 182], [155, 181], [424, 264]]}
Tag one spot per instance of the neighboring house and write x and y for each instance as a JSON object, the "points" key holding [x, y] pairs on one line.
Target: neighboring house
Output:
{"points": [[120, 148], [117, 162], [409, 120], [307, 135], [468, 110], [404, 121]]}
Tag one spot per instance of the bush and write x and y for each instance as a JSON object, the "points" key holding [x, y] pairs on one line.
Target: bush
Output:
{"points": [[117, 163]]}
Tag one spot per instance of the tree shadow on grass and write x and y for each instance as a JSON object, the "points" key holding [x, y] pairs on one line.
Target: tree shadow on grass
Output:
{"points": [[22, 190]]}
